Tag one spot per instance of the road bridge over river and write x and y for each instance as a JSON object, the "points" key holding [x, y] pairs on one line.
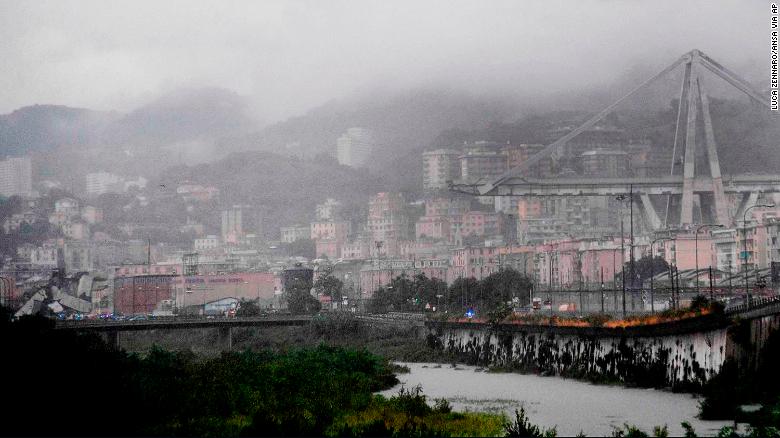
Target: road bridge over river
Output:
{"points": [[113, 329]]}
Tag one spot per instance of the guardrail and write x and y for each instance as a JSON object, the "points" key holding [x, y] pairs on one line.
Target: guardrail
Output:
{"points": [[168, 320], [754, 303]]}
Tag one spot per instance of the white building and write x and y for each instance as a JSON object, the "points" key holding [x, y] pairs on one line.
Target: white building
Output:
{"points": [[354, 147], [440, 166], [68, 207], [291, 234], [208, 242], [327, 210], [104, 182], [16, 176]]}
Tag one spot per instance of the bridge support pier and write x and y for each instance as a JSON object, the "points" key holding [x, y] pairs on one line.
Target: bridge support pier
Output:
{"points": [[226, 338], [113, 339], [650, 214]]}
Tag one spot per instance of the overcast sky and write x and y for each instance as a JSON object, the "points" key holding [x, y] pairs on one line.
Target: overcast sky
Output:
{"points": [[289, 56]]}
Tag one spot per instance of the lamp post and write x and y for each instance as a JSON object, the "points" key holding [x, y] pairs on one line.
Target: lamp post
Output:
{"points": [[652, 272], [744, 246], [696, 248]]}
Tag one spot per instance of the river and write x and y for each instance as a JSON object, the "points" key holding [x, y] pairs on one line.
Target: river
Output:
{"points": [[570, 405]]}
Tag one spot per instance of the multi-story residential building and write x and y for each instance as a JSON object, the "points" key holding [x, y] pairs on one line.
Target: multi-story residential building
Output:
{"points": [[725, 242], [330, 230], [516, 155], [380, 272], [357, 250], [482, 164], [328, 248], [16, 221], [327, 210], [387, 222], [605, 163], [196, 192], [434, 228], [443, 216], [240, 220], [354, 148], [439, 167], [75, 230], [474, 261], [92, 215], [101, 182], [16, 177], [481, 223], [45, 256], [296, 232], [206, 243], [232, 224], [78, 256], [440, 206], [68, 207]]}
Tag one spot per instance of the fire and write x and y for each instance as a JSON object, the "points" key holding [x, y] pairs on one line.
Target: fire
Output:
{"points": [[633, 321]]}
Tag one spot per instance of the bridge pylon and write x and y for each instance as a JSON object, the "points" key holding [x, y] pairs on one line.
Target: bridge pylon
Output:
{"points": [[697, 181]]}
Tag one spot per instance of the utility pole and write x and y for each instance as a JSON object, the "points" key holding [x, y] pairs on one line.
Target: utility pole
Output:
{"points": [[622, 262], [631, 226], [602, 289], [549, 289]]}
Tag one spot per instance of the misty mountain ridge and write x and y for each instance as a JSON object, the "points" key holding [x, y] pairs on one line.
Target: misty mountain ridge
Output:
{"points": [[180, 117], [39, 128]]}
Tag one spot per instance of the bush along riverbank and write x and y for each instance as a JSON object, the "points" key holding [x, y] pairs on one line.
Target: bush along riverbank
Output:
{"points": [[744, 391], [313, 391]]}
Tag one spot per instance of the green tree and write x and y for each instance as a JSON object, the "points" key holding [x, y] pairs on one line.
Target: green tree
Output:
{"points": [[644, 268], [302, 248], [248, 308], [504, 285], [329, 285], [299, 299]]}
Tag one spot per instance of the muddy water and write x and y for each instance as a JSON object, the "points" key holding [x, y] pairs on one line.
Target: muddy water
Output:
{"points": [[569, 405]]}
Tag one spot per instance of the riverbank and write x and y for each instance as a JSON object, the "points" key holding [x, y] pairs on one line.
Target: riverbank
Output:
{"points": [[571, 406]]}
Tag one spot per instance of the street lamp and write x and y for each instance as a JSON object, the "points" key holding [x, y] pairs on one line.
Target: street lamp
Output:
{"points": [[744, 246], [652, 273], [696, 248]]}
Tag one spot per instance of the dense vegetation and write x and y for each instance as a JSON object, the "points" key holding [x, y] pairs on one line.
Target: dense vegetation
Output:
{"points": [[69, 384], [483, 296]]}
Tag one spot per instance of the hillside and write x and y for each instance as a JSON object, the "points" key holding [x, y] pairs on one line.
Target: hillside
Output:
{"points": [[183, 117], [288, 187], [40, 128]]}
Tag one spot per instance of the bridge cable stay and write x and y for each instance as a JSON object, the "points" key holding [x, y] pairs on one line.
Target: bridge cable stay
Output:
{"points": [[554, 147], [680, 103], [692, 99]]}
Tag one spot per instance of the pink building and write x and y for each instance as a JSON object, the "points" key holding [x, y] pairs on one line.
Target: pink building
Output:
{"points": [[379, 273], [682, 251], [441, 206], [435, 228], [387, 222], [357, 250], [474, 261], [330, 230], [330, 248], [601, 260], [481, 223]]}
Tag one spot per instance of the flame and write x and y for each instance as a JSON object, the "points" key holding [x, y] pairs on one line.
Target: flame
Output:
{"points": [[642, 320]]}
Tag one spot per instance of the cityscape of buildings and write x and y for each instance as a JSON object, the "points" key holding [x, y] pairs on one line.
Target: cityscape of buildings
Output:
{"points": [[562, 242]]}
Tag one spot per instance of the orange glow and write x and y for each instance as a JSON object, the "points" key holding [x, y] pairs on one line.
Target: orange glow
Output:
{"points": [[577, 322]]}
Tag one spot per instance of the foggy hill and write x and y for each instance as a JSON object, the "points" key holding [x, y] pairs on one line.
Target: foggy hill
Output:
{"points": [[182, 116], [288, 187], [179, 117], [43, 127], [401, 122]]}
